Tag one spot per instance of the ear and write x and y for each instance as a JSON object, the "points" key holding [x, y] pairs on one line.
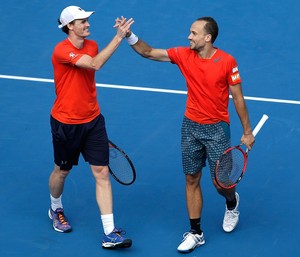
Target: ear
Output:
{"points": [[208, 38], [70, 26]]}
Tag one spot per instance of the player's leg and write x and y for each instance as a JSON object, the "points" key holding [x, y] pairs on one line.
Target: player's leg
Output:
{"points": [[194, 195], [103, 189], [193, 159], [194, 200], [216, 145], [112, 236], [66, 155], [96, 152], [57, 181], [56, 212]]}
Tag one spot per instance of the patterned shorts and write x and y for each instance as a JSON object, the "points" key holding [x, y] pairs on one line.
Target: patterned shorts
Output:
{"points": [[201, 142]]}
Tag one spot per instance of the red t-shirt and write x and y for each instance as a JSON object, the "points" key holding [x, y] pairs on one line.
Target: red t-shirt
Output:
{"points": [[76, 94], [207, 82]]}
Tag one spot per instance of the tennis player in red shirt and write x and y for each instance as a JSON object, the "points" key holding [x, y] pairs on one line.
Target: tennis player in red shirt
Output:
{"points": [[210, 74], [77, 125]]}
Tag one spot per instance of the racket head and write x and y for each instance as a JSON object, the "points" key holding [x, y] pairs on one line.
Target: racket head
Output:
{"points": [[120, 166], [231, 167]]}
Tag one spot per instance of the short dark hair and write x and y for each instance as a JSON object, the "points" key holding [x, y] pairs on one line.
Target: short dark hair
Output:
{"points": [[65, 28], [211, 27]]}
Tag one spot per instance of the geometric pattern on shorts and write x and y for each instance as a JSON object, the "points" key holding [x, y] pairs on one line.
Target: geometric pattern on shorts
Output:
{"points": [[201, 143]]}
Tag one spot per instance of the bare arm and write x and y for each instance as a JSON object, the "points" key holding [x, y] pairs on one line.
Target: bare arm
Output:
{"points": [[242, 111], [143, 49], [148, 52], [102, 57]]}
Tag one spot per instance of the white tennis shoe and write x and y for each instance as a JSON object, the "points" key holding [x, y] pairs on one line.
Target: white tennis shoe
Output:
{"points": [[231, 217], [190, 242]]}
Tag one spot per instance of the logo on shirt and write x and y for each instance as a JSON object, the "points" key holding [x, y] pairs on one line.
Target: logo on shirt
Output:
{"points": [[235, 69], [217, 59], [235, 77], [72, 55]]}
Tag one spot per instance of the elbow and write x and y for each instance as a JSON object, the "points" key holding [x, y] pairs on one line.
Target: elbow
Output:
{"points": [[96, 66], [146, 55]]}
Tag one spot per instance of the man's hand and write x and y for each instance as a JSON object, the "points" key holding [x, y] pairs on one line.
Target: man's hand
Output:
{"points": [[248, 140], [123, 26]]}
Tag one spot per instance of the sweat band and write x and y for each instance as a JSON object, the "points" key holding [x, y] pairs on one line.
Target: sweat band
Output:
{"points": [[132, 39]]}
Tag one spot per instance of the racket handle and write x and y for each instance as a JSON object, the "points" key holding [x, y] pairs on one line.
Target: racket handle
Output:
{"points": [[260, 124]]}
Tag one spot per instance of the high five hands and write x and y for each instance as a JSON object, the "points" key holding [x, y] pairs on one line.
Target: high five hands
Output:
{"points": [[123, 26]]}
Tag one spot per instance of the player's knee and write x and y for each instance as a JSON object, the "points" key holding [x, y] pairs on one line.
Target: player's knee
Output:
{"points": [[100, 172], [63, 174], [193, 179], [59, 172]]}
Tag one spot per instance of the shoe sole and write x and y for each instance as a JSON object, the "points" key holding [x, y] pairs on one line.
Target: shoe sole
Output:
{"points": [[125, 244], [56, 229]]}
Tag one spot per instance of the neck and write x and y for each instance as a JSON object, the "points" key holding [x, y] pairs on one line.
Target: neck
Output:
{"points": [[76, 41], [207, 53]]}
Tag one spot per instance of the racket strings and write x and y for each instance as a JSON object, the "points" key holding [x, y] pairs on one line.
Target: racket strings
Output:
{"points": [[231, 167], [120, 166]]}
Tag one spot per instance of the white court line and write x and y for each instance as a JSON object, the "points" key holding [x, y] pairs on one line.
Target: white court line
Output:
{"points": [[149, 89]]}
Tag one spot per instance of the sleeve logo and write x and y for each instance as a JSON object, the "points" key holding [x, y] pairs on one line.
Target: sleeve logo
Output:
{"points": [[235, 69], [235, 77], [235, 74]]}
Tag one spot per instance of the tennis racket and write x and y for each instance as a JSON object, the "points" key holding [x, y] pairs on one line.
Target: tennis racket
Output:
{"points": [[120, 166], [232, 164]]}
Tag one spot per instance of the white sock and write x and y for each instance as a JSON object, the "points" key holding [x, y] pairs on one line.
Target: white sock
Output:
{"points": [[56, 202], [108, 223]]}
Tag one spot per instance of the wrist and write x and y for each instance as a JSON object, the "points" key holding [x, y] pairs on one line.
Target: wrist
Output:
{"points": [[132, 39]]}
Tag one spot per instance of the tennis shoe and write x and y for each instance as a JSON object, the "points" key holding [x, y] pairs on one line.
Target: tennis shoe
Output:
{"points": [[59, 220], [115, 240], [190, 241], [231, 217]]}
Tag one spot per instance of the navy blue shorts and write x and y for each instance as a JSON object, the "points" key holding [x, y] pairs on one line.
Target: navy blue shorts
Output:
{"points": [[69, 140], [201, 142]]}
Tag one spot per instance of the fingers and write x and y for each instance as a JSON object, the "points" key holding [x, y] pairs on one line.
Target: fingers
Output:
{"points": [[123, 26], [117, 22], [248, 140], [251, 145], [123, 22], [127, 26]]}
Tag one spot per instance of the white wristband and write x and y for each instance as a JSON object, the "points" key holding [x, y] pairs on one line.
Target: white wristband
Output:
{"points": [[132, 39]]}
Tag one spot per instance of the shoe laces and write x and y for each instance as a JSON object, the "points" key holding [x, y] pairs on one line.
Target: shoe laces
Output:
{"points": [[63, 220], [119, 231], [232, 214], [190, 235]]}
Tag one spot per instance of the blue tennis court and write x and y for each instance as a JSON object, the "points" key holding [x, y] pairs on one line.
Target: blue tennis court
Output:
{"points": [[145, 120]]}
